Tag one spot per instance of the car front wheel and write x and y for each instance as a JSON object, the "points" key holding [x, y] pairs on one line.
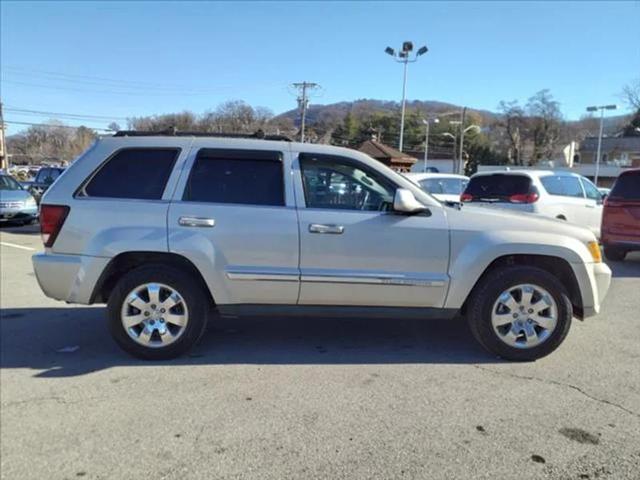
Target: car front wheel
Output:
{"points": [[157, 312], [520, 313]]}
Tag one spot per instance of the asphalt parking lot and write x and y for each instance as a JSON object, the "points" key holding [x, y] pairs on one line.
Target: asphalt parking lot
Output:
{"points": [[311, 398]]}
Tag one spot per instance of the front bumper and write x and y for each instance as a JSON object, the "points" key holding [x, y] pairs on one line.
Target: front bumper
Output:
{"points": [[71, 278], [12, 214], [594, 280]]}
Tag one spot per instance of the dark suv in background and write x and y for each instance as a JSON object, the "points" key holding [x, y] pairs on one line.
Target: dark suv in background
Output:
{"points": [[45, 177], [621, 216]]}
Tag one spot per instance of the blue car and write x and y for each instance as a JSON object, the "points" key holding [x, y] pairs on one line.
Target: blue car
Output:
{"points": [[16, 204]]}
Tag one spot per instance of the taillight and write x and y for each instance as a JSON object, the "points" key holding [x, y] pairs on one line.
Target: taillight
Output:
{"points": [[466, 197], [52, 218], [524, 198]]}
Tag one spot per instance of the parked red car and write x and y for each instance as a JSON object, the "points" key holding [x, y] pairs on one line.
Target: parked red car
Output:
{"points": [[621, 216]]}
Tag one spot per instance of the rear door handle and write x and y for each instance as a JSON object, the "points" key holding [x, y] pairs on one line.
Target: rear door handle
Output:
{"points": [[320, 228], [196, 222]]}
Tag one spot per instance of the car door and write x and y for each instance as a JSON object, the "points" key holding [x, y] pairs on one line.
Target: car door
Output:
{"points": [[354, 250], [593, 206], [234, 217]]}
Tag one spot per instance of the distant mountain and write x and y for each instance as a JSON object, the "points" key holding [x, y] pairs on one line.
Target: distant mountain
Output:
{"points": [[333, 114]]}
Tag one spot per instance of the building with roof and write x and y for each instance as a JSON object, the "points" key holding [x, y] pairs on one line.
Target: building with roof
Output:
{"points": [[616, 151], [395, 159]]}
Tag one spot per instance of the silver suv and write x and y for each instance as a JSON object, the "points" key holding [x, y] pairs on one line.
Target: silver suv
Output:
{"points": [[168, 229]]}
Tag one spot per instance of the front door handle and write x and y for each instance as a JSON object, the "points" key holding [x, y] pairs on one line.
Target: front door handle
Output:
{"points": [[196, 222], [320, 228]]}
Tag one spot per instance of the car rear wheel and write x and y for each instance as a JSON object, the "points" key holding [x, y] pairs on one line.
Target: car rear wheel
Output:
{"points": [[520, 313], [614, 254], [157, 312]]}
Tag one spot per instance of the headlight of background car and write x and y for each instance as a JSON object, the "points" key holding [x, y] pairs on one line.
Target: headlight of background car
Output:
{"points": [[30, 202]]}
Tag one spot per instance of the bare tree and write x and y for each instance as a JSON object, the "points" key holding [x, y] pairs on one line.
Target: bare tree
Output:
{"points": [[545, 121], [513, 122], [631, 94]]}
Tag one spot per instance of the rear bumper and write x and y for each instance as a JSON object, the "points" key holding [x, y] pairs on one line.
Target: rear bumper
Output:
{"points": [[71, 278], [594, 280], [627, 242]]}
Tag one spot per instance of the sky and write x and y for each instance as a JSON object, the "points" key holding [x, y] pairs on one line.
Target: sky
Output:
{"points": [[121, 59]]}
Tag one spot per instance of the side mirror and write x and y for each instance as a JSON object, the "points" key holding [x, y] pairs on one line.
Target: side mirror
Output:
{"points": [[405, 202]]}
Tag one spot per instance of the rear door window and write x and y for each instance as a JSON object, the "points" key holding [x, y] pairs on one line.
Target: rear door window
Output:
{"points": [[627, 187], [249, 177], [497, 187], [133, 173]]}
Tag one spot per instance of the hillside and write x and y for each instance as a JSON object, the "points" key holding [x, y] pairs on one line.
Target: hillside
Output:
{"points": [[333, 113]]}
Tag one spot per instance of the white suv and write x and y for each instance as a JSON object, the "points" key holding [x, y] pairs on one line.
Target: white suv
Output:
{"points": [[556, 194], [165, 228]]}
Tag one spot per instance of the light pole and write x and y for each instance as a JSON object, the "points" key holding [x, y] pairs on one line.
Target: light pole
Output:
{"points": [[403, 56], [602, 108], [426, 141], [462, 133]]}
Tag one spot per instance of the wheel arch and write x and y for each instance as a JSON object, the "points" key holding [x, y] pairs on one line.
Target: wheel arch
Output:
{"points": [[556, 266], [127, 261]]}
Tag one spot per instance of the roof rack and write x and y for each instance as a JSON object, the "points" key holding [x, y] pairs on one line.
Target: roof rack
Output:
{"points": [[173, 132]]}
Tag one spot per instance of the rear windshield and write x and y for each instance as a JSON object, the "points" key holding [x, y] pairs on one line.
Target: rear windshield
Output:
{"points": [[627, 186], [497, 186]]}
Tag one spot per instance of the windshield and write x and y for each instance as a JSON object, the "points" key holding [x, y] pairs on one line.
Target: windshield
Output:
{"points": [[8, 183], [447, 186]]}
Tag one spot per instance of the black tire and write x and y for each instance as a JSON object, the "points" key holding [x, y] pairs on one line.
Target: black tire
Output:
{"points": [[485, 294], [614, 254], [190, 289]]}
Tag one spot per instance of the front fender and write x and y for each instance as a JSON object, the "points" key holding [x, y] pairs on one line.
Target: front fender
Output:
{"points": [[472, 252]]}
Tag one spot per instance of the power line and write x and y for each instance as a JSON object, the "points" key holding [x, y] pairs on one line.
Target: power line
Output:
{"points": [[79, 116], [123, 87], [13, 122], [303, 102]]}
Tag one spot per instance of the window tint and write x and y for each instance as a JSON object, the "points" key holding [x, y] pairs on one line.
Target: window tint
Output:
{"points": [[340, 183], [591, 191], [498, 186], [251, 177], [133, 173], [627, 187], [448, 186]]}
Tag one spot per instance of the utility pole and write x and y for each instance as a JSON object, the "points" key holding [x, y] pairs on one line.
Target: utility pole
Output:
{"points": [[4, 158], [303, 103]]}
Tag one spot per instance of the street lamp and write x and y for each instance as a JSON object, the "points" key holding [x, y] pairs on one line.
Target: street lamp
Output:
{"points": [[404, 56], [602, 108], [462, 133], [426, 140]]}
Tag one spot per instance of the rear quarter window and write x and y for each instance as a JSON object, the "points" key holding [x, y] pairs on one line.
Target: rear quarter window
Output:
{"points": [[627, 187], [498, 186], [563, 185], [134, 173]]}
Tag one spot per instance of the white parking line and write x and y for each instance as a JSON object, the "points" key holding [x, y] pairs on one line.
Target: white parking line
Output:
{"points": [[21, 247]]}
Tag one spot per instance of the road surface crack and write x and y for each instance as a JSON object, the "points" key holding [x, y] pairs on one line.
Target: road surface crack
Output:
{"points": [[561, 384]]}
